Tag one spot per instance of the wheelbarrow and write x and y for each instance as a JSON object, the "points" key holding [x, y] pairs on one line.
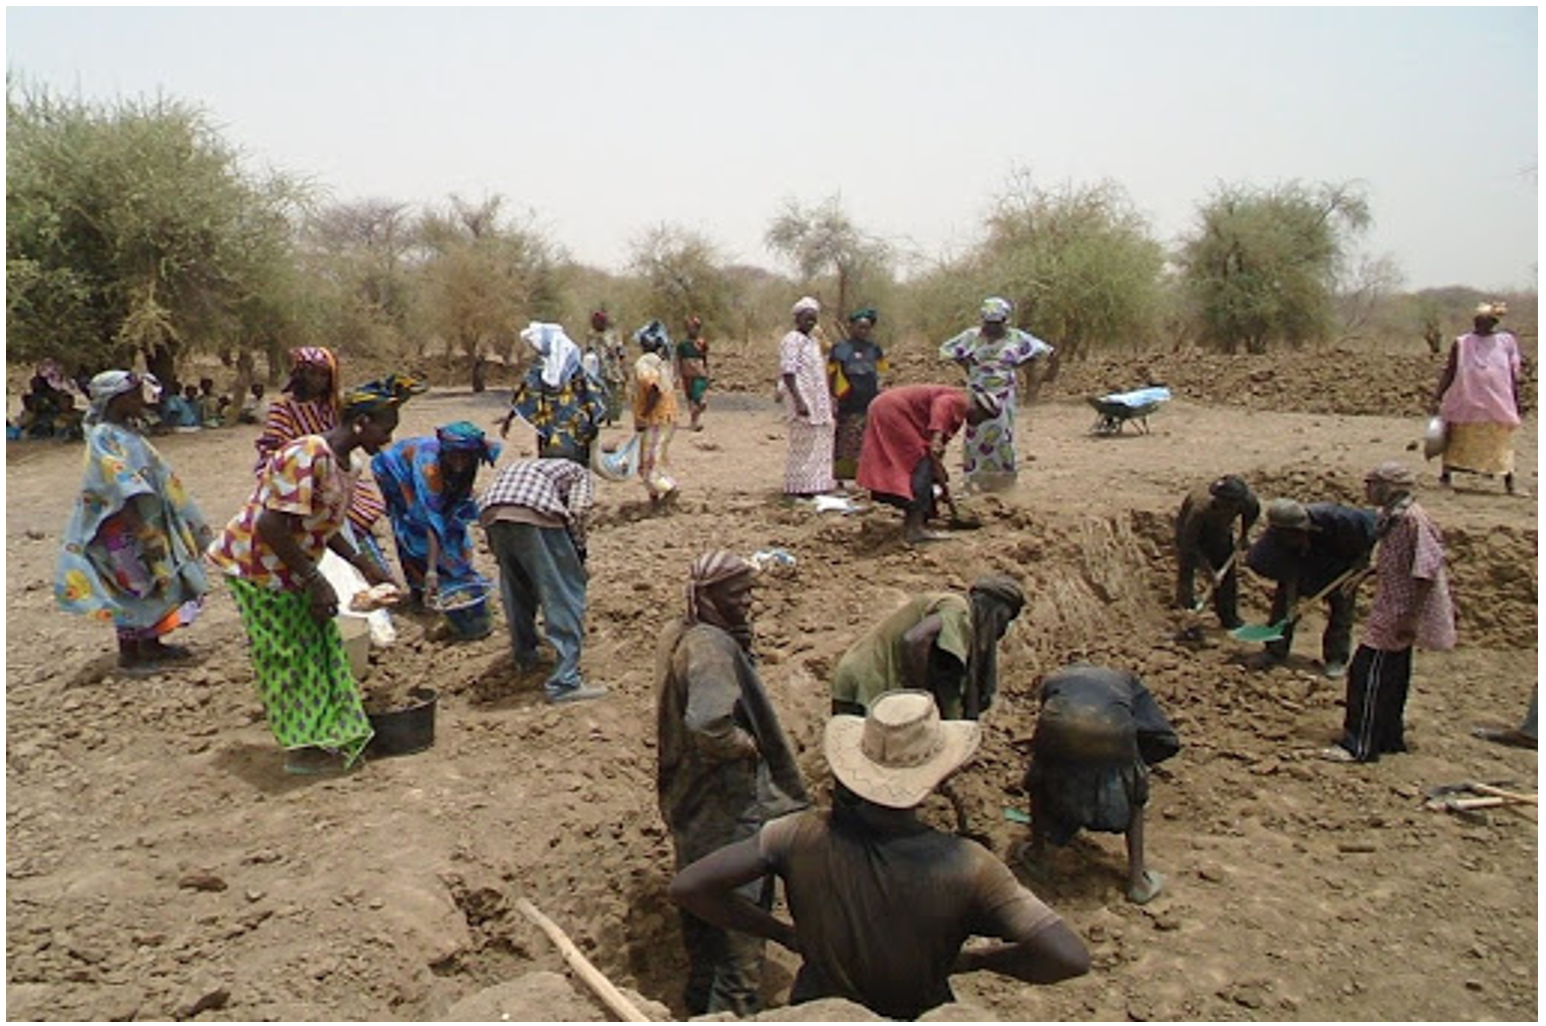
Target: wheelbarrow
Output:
{"points": [[1252, 632], [1116, 409]]}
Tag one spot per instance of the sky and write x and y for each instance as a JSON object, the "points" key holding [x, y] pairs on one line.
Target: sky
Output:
{"points": [[603, 123]]}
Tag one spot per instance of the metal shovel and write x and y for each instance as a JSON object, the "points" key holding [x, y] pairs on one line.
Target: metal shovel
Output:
{"points": [[1213, 585], [1252, 632]]}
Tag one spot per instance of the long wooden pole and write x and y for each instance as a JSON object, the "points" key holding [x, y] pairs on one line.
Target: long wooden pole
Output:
{"points": [[610, 996]]}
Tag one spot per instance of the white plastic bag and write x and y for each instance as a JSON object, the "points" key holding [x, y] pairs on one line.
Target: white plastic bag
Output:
{"points": [[347, 582], [619, 465]]}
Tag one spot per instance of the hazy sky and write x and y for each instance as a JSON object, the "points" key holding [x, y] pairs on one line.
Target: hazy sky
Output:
{"points": [[606, 121]]}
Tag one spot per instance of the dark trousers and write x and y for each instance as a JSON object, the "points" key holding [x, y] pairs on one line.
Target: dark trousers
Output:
{"points": [[724, 968], [1216, 546], [1336, 643], [1377, 685]]}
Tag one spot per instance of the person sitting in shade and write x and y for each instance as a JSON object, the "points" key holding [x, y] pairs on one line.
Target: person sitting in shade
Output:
{"points": [[1305, 549], [903, 456], [1096, 735], [1206, 540], [882, 904]]}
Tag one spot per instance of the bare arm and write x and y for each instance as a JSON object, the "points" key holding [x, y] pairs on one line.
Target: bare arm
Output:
{"points": [[707, 890], [279, 530], [1446, 379], [357, 559], [1052, 954]]}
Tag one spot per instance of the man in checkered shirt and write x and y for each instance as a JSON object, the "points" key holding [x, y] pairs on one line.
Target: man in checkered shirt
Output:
{"points": [[1411, 606], [534, 515]]}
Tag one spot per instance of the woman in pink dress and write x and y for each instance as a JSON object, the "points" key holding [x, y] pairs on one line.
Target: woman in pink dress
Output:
{"points": [[1478, 397]]}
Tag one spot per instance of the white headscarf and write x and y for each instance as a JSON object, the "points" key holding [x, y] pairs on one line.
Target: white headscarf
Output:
{"points": [[806, 303], [560, 356]]}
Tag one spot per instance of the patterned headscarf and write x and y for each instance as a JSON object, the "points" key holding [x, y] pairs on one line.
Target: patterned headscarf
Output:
{"points": [[996, 308], [805, 303], [371, 398], [708, 572], [864, 313], [653, 337], [107, 386], [599, 321], [560, 356], [465, 436], [317, 356], [996, 600]]}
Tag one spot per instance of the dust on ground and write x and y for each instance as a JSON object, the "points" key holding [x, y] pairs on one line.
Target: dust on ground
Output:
{"points": [[161, 865]]}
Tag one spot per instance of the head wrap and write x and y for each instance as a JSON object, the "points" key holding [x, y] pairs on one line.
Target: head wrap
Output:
{"points": [[805, 303], [1230, 488], [996, 600], [653, 337], [107, 386], [694, 323], [990, 403], [995, 308], [1495, 309], [559, 355], [1288, 515], [317, 356], [465, 436], [599, 320], [371, 398], [708, 572], [864, 313]]}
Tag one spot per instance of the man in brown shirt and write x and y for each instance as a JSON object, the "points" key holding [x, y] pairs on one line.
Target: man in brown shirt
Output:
{"points": [[883, 904]]}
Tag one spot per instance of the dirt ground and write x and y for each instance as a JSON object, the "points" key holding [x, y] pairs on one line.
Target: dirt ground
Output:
{"points": [[161, 865]]}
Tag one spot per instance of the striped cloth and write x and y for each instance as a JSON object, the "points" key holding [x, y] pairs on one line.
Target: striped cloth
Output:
{"points": [[290, 418]]}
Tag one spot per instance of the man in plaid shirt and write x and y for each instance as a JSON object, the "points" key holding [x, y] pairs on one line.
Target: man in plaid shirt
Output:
{"points": [[534, 514], [1411, 606]]}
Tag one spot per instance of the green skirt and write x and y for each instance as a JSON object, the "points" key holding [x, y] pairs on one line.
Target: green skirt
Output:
{"points": [[303, 675]]}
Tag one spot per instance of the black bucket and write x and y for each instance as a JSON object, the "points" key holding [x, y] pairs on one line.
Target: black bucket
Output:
{"points": [[406, 730]]}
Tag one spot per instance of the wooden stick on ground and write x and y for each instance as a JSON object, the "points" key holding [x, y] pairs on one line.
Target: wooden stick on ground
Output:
{"points": [[1498, 792], [610, 996]]}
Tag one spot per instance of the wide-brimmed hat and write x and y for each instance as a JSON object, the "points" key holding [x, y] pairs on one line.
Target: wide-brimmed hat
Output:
{"points": [[1288, 515], [901, 751]]}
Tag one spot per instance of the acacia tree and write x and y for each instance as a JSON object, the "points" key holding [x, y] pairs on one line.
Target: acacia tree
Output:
{"points": [[1078, 262], [132, 229], [1262, 265], [482, 279], [683, 274], [822, 240]]}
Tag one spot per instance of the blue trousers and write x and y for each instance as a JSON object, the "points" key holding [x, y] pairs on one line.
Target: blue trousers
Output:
{"points": [[539, 568]]}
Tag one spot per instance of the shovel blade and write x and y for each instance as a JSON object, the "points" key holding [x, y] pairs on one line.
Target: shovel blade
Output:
{"points": [[1254, 632]]}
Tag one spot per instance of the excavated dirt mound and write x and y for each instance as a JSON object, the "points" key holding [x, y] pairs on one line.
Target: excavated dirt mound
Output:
{"points": [[1315, 380], [161, 865]]}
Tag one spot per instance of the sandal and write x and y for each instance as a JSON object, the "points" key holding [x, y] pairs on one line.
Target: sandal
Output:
{"points": [[1153, 883], [1336, 753]]}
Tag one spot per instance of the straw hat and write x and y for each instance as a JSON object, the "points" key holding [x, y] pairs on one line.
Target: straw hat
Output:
{"points": [[901, 751]]}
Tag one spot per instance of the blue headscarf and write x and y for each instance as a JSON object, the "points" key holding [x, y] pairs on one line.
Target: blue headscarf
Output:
{"points": [[465, 436], [653, 337]]}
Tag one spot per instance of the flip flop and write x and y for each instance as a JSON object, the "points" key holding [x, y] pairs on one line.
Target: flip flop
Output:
{"points": [[1154, 882], [172, 654], [138, 671]]}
